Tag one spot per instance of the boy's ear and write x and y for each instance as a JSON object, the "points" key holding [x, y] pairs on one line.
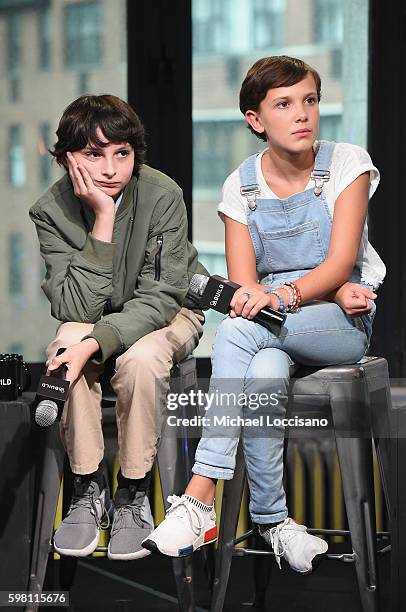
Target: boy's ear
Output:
{"points": [[254, 121]]}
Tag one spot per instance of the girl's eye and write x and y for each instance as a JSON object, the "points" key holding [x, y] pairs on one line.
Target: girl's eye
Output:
{"points": [[283, 104], [311, 100]]}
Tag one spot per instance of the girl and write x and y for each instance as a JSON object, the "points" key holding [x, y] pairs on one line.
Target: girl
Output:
{"points": [[296, 241]]}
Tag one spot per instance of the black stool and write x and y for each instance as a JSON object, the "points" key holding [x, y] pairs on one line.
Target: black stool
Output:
{"points": [[175, 459], [359, 400]]}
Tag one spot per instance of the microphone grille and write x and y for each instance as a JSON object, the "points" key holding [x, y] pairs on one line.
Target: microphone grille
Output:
{"points": [[46, 413], [198, 284]]}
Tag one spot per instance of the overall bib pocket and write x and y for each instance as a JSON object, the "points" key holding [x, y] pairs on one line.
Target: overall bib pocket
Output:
{"points": [[295, 248]]}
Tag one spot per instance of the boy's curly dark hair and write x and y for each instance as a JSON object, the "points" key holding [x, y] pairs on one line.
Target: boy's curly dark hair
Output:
{"points": [[115, 118]]}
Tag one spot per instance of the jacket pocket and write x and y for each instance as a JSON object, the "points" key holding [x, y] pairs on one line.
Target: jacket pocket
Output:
{"points": [[296, 248], [156, 253]]}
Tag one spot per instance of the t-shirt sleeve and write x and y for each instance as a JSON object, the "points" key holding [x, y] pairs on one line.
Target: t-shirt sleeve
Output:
{"points": [[352, 161], [233, 203]]}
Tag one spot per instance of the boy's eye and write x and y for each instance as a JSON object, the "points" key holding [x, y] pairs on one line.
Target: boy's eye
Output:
{"points": [[123, 152]]}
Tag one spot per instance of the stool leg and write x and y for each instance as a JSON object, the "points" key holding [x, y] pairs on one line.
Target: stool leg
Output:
{"points": [[48, 493], [172, 476], [230, 510], [381, 406], [67, 565], [355, 458], [262, 572]]}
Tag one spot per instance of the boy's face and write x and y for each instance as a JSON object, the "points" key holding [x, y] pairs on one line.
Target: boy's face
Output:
{"points": [[289, 116], [110, 167]]}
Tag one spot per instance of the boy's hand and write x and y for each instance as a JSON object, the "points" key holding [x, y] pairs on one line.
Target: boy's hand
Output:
{"points": [[86, 190], [353, 299], [75, 357]]}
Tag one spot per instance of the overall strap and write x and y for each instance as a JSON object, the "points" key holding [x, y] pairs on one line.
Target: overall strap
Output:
{"points": [[322, 163], [248, 177]]}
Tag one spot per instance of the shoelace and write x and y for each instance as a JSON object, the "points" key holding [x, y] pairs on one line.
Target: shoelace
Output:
{"points": [[183, 511], [88, 500], [122, 511], [278, 543]]}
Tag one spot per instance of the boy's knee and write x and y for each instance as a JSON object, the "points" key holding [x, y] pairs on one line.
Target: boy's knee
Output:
{"points": [[68, 334], [145, 361]]}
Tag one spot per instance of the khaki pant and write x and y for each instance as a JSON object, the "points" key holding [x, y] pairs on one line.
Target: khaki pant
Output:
{"points": [[141, 382]]}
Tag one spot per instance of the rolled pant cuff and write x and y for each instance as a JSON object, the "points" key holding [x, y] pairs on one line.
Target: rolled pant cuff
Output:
{"points": [[134, 474], [264, 519], [211, 472], [83, 470]]}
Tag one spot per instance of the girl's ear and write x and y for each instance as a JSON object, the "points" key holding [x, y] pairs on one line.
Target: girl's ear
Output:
{"points": [[254, 121]]}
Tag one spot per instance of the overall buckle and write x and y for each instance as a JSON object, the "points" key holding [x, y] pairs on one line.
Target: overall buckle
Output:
{"points": [[250, 192], [319, 177]]}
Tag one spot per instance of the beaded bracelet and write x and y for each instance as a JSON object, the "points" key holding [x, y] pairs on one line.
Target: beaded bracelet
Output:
{"points": [[282, 307], [292, 296], [298, 296]]}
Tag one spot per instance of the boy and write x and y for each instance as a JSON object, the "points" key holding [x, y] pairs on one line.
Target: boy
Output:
{"points": [[113, 234]]}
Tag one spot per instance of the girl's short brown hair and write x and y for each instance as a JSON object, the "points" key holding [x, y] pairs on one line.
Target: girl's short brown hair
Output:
{"points": [[269, 73], [115, 118]]}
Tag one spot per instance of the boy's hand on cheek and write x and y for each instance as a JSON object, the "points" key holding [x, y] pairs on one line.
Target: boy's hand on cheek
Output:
{"points": [[85, 189]]}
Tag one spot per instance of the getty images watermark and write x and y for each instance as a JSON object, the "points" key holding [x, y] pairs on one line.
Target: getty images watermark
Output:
{"points": [[227, 410]]}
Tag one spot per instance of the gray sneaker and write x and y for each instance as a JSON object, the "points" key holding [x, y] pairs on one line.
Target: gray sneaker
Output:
{"points": [[78, 534], [132, 523]]}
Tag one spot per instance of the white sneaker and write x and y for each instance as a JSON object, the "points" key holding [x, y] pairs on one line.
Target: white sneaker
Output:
{"points": [[188, 525], [291, 542]]}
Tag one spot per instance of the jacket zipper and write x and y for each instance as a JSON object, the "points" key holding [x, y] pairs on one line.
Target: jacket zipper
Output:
{"points": [[159, 243]]}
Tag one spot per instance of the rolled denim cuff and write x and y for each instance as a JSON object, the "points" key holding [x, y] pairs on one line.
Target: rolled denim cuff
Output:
{"points": [[265, 519], [212, 472]]}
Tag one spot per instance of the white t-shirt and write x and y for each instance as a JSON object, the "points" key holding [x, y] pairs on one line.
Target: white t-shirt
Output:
{"points": [[348, 162]]}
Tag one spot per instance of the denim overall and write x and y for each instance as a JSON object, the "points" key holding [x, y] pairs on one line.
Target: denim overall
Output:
{"points": [[291, 237]]}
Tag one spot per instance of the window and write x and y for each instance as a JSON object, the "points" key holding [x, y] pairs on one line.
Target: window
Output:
{"points": [[228, 38], [83, 34], [268, 23], [209, 32], [219, 146], [44, 39], [45, 158], [211, 160], [13, 43], [16, 158], [328, 22], [330, 128], [15, 265]]}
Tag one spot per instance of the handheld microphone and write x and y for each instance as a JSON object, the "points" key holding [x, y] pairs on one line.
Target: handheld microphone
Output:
{"points": [[217, 292], [54, 389]]}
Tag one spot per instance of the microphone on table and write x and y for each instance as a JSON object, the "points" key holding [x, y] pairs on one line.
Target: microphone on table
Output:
{"points": [[217, 292], [52, 392]]}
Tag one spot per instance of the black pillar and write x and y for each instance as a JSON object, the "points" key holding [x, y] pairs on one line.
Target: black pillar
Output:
{"points": [[160, 84], [387, 145]]}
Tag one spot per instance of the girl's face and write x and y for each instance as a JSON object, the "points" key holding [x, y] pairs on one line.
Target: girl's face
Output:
{"points": [[289, 116]]}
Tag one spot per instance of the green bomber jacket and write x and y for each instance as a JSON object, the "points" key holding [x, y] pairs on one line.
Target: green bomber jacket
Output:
{"points": [[127, 288]]}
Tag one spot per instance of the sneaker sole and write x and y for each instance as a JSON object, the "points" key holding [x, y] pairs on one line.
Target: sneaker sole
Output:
{"points": [[78, 552], [207, 538], [128, 556], [315, 564]]}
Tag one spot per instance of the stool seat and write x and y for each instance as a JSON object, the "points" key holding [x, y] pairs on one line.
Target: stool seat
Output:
{"points": [[356, 399]]}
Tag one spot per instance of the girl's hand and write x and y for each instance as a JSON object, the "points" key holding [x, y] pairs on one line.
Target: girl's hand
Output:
{"points": [[353, 299], [248, 300], [75, 357], [86, 190]]}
